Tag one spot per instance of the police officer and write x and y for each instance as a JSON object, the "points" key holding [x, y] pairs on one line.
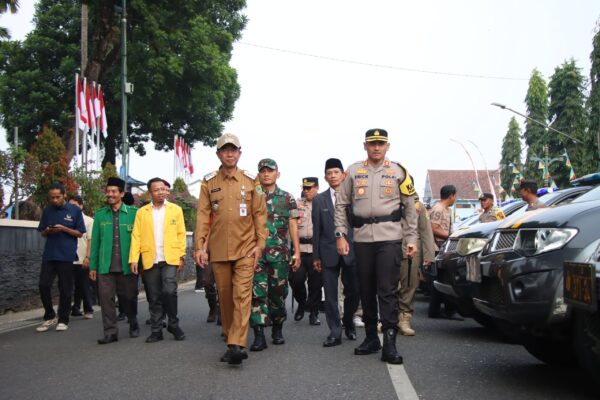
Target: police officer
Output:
{"points": [[409, 273], [306, 273], [528, 190], [489, 213], [270, 284], [237, 238], [381, 194]]}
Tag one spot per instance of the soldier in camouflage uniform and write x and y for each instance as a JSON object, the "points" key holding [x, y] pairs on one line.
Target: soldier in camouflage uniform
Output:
{"points": [[489, 213], [270, 285]]}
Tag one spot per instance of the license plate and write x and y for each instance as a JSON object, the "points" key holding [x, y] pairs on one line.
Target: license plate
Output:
{"points": [[580, 285], [473, 269]]}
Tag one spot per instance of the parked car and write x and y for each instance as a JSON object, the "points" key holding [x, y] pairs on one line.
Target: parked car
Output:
{"points": [[521, 270], [464, 246], [582, 293]]}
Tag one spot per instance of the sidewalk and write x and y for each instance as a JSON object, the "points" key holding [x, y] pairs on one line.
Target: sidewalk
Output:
{"points": [[23, 319]]}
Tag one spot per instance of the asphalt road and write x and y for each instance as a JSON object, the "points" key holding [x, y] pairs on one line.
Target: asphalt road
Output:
{"points": [[446, 360]]}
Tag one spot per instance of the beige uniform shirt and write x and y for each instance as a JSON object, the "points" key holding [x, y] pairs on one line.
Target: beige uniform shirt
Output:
{"points": [[233, 208], [536, 205], [305, 225], [491, 215], [440, 215], [82, 242], [426, 242], [377, 191]]}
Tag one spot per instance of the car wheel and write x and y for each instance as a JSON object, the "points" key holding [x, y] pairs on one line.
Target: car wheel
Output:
{"points": [[551, 352], [586, 340]]}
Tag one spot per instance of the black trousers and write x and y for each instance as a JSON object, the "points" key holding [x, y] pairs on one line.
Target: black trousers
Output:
{"points": [[378, 266], [298, 280], [83, 292], [161, 291], [124, 286], [64, 270], [331, 276]]}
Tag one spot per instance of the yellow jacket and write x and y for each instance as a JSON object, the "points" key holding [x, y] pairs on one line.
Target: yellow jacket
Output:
{"points": [[142, 237]]}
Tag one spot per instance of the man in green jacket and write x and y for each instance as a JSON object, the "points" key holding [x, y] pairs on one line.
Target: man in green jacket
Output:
{"points": [[109, 256]]}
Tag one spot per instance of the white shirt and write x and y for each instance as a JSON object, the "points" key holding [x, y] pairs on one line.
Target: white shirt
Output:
{"points": [[158, 220]]}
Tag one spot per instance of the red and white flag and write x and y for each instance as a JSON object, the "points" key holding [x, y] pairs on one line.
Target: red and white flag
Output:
{"points": [[103, 127], [90, 110], [190, 164], [185, 156], [82, 115]]}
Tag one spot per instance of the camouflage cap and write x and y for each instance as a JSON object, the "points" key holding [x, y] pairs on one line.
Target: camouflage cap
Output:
{"points": [[268, 163], [228, 138]]}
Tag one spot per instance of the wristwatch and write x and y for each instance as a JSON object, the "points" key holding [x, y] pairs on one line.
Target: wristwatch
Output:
{"points": [[339, 234]]}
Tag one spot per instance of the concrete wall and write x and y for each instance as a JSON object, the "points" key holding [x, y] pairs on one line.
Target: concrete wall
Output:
{"points": [[21, 248]]}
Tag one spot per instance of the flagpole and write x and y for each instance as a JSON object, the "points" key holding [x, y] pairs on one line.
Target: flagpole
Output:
{"points": [[76, 120], [472, 163], [85, 138], [487, 171], [174, 158]]}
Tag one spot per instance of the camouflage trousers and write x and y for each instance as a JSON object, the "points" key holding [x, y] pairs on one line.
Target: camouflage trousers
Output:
{"points": [[269, 291]]}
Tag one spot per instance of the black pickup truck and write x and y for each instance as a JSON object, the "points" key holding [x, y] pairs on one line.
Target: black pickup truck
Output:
{"points": [[521, 270], [465, 245]]}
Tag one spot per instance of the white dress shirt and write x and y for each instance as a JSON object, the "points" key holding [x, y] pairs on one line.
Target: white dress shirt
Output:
{"points": [[158, 220]]}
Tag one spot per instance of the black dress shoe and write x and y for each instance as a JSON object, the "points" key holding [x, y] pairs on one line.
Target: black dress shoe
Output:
{"points": [[299, 313], [313, 318], [121, 316], [227, 356], [331, 341], [350, 333], [154, 337], [177, 332], [108, 339], [134, 330], [236, 355]]}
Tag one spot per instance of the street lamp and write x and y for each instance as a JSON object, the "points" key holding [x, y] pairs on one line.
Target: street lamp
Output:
{"points": [[547, 161]]}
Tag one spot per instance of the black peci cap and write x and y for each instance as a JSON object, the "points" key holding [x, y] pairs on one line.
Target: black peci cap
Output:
{"points": [[333, 163], [118, 182]]}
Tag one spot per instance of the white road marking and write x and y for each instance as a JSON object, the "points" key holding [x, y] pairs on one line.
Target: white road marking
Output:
{"points": [[401, 381]]}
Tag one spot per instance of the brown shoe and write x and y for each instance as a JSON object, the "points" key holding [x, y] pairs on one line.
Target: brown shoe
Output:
{"points": [[404, 324]]}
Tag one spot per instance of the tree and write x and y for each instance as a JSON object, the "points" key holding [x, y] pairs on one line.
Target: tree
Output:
{"points": [[18, 166], [178, 59], [511, 154], [5, 6], [92, 185], [535, 134], [593, 102], [51, 154], [568, 115]]}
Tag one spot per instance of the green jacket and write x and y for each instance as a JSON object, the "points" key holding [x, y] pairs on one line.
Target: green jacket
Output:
{"points": [[102, 238]]}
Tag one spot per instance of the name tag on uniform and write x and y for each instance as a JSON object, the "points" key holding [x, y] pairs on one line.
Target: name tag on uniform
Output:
{"points": [[243, 210]]}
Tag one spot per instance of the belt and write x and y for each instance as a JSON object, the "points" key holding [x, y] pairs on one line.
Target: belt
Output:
{"points": [[306, 240], [357, 221]]}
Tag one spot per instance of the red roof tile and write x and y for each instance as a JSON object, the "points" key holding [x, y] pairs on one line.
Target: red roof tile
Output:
{"points": [[464, 180]]}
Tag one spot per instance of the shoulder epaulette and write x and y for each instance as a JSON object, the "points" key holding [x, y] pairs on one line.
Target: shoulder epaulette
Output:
{"points": [[210, 176], [249, 175]]}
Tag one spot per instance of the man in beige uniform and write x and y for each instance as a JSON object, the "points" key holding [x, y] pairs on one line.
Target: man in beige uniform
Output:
{"points": [[380, 194], [409, 273], [528, 190], [306, 272], [489, 213], [238, 232]]}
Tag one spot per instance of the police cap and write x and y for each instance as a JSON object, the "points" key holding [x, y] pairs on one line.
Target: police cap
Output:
{"points": [[310, 182], [485, 196], [376, 135]]}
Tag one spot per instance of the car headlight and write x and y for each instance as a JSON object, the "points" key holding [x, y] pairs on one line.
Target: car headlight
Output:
{"points": [[536, 241], [468, 246]]}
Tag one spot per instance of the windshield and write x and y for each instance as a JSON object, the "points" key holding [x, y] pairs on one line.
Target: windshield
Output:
{"points": [[593, 194]]}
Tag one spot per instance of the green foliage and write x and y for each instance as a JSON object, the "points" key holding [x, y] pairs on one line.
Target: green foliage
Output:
{"points": [[567, 111], [593, 102], [535, 134], [51, 155], [17, 164], [178, 59], [92, 185], [511, 154]]}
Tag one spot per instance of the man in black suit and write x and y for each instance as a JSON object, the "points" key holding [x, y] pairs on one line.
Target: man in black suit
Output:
{"points": [[327, 259]]}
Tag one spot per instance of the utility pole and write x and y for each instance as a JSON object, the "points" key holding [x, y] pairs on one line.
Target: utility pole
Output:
{"points": [[16, 165], [124, 90]]}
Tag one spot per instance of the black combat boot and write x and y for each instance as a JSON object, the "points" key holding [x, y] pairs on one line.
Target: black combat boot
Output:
{"points": [[277, 334], [260, 343], [213, 313], [389, 353], [371, 344]]}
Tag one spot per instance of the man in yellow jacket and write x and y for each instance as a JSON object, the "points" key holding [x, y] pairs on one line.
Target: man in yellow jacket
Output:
{"points": [[159, 236]]}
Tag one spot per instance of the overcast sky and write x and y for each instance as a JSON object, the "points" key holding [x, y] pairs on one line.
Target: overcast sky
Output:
{"points": [[315, 75]]}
